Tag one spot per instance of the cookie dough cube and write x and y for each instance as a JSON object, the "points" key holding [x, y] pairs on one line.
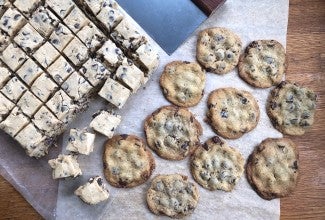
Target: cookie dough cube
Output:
{"points": [[130, 75], [147, 58], [12, 21], [77, 87], [27, 7], [4, 5], [65, 166], [29, 104], [91, 36], [61, 7], [13, 56], [4, 40], [93, 5], [126, 35], [5, 107], [112, 55], [29, 39], [46, 55], [29, 71], [81, 141], [76, 20], [4, 75], [15, 121], [105, 123], [110, 15], [76, 51], [43, 87], [94, 72], [60, 70], [47, 122], [93, 192], [44, 21], [63, 107], [60, 37], [115, 93], [14, 89]]}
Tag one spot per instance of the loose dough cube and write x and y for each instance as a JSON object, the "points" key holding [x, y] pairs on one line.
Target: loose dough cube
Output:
{"points": [[81, 141], [93, 192], [27, 7], [29, 71], [44, 21], [13, 56], [115, 93], [46, 55], [61, 7], [77, 87], [5, 107], [60, 37], [130, 75], [147, 58], [29, 104], [4, 75], [12, 21], [43, 87], [112, 55], [94, 72], [14, 89], [76, 20], [29, 39], [110, 15], [91, 36], [65, 166], [4, 40], [105, 123], [76, 51], [60, 70], [15, 121], [47, 122]]}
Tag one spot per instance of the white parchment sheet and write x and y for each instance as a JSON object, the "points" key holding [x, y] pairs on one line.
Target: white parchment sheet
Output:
{"points": [[251, 20]]}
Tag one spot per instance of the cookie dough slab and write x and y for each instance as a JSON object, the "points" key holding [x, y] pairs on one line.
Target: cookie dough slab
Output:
{"points": [[5, 107], [60, 37], [12, 21], [15, 121], [29, 71], [13, 57], [95, 72], [29, 104], [14, 89], [44, 21], [44, 87], [60, 70]]}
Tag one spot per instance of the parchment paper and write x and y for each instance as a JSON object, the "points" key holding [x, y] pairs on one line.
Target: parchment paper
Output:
{"points": [[251, 20]]}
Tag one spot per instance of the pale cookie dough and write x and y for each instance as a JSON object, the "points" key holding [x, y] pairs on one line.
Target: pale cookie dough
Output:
{"points": [[272, 169], [216, 166], [218, 50], [172, 132], [291, 108], [14, 123], [183, 83], [232, 112], [263, 64], [172, 195], [81, 141], [127, 161], [105, 123], [65, 166]]}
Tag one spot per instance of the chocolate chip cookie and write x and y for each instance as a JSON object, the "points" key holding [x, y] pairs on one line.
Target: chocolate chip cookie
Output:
{"points": [[172, 195], [215, 165], [183, 83], [172, 132], [218, 50], [263, 64], [291, 108], [272, 169], [232, 112], [127, 161]]}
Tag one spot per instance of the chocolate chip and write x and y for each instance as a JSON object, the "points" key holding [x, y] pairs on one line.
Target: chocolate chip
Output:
{"points": [[124, 136], [244, 100], [185, 145], [273, 105], [100, 181], [17, 16], [216, 140], [295, 165], [224, 113]]}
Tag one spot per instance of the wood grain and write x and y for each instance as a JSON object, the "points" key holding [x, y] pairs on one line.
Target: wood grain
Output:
{"points": [[208, 5], [306, 50]]}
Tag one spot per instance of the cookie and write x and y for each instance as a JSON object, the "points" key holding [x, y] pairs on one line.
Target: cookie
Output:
{"points": [[172, 195], [218, 50], [272, 169], [172, 132], [232, 112], [183, 83], [215, 165], [127, 161], [263, 64], [291, 108]]}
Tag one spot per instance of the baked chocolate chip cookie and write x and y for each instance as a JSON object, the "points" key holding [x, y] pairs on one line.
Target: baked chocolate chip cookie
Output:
{"points": [[291, 108], [263, 64], [272, 169], [127, 161], [232, 112], [172, 132], [183, 83]]}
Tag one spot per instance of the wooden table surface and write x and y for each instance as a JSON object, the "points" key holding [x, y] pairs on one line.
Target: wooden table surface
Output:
{"points": [[306, 52]]}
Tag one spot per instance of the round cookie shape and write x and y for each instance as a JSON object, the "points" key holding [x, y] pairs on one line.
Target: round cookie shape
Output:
{"points": [[172, 195], [263, 64], [183, 83], [272, 169], [127, 161], [218, 50], [216, 166], [291, 108], [172, 132], [232, 112]]}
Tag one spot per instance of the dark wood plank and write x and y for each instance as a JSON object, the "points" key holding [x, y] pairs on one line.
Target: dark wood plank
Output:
{"points": [[207, 6]]}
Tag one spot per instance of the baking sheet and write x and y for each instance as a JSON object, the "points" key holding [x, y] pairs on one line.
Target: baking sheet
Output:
{"points": [[251, 20]]}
